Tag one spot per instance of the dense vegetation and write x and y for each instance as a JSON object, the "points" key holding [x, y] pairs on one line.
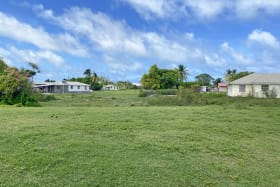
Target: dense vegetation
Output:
{"points": [[105, 139], [15, 87]]}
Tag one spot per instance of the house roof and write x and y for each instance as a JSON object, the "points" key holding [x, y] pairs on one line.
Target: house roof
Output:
{"points": [[70, 83], [222, 84], [259, 78]]}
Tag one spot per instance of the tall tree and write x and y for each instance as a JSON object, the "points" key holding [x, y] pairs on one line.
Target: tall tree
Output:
{"points": [[229, 76], [217, 81], [160, 78], [15, 86], [183, 72], [35, 69], [204, 79], [87, 72]]}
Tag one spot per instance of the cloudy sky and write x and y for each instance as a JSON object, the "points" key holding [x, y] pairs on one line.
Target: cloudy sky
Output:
{"points": [[121, 39]]}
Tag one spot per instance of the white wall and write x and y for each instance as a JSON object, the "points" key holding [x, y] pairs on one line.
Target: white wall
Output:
{"points": [[233, 90], [251, 90], [77, 88]]}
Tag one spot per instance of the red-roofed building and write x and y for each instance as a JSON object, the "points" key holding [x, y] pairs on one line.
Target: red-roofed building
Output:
{"points": [[222, 87]]}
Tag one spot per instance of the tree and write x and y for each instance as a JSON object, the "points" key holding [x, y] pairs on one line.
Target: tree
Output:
{"points": [[229, 76], [95, 85], [34, 71], [232, 75], [3, 66], [204, 79], [15, 86], [160, 78], [152, 79], [241, 74], [183, 73], [217, 81], [125, 84], [49, 80], [87, 72]]}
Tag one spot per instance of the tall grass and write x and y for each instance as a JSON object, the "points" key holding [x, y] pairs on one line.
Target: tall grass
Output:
{"points": [[188, 97]]}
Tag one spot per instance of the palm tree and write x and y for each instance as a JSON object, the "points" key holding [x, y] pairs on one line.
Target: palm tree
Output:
{"points": [[87, 72], [183, 72], [94, 78], [34, 71], [229, 76], [217, 81]]}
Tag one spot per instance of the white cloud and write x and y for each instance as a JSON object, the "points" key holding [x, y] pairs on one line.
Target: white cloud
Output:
{"points": [[40, 56], [103, 32], [236, 56], [122, 69], [22, 32], [189, 36], [263, 38], [204, 9], [252, 8], [117, 38], [151, 8], [214, 60]]}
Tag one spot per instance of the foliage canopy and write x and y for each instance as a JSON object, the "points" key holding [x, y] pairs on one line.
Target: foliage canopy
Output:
{"points": [[15, 86], [160, 78]]}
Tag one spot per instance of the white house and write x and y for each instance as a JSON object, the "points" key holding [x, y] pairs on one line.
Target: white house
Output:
{"points": [[62, 87], [256, 85], [110, 87]]}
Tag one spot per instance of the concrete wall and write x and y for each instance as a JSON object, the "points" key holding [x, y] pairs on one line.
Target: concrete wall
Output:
{"points": [[252, 90], [78, 88]]}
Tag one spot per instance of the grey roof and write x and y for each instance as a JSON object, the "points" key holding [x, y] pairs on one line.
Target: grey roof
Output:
{"points": [[70, 83], [259, 78]]}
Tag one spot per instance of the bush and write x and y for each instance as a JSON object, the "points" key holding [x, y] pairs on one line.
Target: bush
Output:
{"points": [[271, 93], [44, 97], [146, 93], [166, 92]]}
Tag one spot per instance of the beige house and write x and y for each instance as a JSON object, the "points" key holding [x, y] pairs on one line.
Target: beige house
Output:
{"points": [[256, 85]]}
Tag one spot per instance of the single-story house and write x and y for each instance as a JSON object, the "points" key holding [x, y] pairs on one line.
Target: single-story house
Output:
{"points": [[110, 87], [222, 87], [256, 85], [204, 89], [62, 87]]}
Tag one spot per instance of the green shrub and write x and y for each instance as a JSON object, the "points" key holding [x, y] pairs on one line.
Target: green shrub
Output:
{"points": [[44, 97], [167, 92], [146, 93]]}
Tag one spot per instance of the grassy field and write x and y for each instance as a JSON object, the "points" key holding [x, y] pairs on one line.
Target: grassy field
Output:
{"points": [[117, 139]]}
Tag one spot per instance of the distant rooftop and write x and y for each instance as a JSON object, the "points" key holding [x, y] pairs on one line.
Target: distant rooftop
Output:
{"points": [[222, 84]]}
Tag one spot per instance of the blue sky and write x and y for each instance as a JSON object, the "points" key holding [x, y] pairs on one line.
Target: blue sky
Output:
{"points": [[121, 39]]}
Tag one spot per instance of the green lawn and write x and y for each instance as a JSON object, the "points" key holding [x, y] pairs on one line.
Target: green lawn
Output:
{"points": [[122, 144]]}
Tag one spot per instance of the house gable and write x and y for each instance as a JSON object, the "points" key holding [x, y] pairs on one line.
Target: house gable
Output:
{"points": [[257, 85]]}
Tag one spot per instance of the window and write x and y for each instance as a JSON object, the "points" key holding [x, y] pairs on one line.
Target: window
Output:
{"points": [[58, 87], [242, 88], [71, 87], [85, 87], [78, 87], [265, 88]]}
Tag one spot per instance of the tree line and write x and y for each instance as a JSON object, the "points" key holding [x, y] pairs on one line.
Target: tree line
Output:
{"points": [[97, 82], [158, 78]]}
